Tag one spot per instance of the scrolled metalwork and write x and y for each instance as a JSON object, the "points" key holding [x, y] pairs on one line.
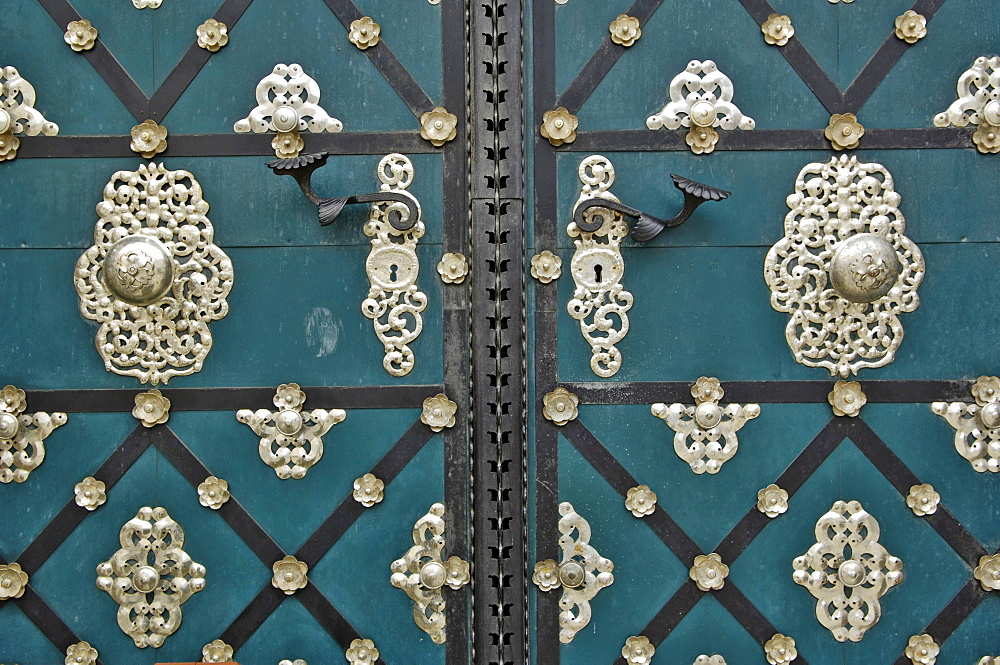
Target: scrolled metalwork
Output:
{"points": [[978, 103], [977, 426], [154, 278], [288, 99], [150, 577], [844, 271], [422, 573], [847, 570], [581, 573], [18, 114], [22, 435]]}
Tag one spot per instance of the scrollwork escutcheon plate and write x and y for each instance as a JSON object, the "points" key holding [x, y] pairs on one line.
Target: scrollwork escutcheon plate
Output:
{"points": [[422, 573], [847, 570], [597, 268], [394, 301], [844, 270], [977, 426]]}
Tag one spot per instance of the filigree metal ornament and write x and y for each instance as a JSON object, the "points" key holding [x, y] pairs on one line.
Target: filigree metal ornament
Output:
{"points": [[709, 660], [546, 267], [988, 572], [12, 581], [394, 302], [846, 398], [560, 406], [923, 500], [80, 653], [559, 126], [213, 492], [977, 426], [701, 98], [922, 650], [978, 103], [772, 501], [705, 423], [212, 35], [22, 435], [362, 652], [780, 649], [291, 440], [149, 139], [989, 660], [847, 570], [151, 408], [18, 114], [422, 573], [288, 101], [625, 30], [911, 26], [640, 500], [638, 650], [90, 493], [453, 268], [368, 490], [777, 29], [438, 126], [144, 4], [581, 573], [216, 651], [289, 575], [597, 268], [708, 572], [80, 35], [844, 270], [150, 577], [844, 132], [154, 279]]}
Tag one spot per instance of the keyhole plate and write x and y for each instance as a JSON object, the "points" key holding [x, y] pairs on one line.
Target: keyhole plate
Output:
{"points": [[392, 268], [597, 269]]}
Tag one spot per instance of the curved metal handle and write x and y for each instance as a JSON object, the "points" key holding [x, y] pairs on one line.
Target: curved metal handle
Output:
{"points": [[648, 227], [301, 168]]}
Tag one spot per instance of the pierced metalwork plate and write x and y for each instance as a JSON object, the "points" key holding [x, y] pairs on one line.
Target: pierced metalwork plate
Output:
{"points": [[18, 114], [150, 577], [844, 270], [977, 426], [154, 279], [597, 268], [422, 573], [22, 436], [287, 100], [847, 571], [394, 302]]}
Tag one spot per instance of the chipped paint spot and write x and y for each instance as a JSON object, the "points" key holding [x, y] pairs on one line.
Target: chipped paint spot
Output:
{"points": [[322, 331]]}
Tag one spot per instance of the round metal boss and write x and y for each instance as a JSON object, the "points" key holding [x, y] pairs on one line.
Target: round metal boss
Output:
{"points": [[864, 268], [139, 269], [285, 119]]}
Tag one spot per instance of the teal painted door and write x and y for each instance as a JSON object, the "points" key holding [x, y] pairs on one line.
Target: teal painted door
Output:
{"points": [[294, 315], [701, 308]]}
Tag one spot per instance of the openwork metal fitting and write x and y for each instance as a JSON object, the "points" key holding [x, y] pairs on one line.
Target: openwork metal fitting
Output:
{"points": [[18, 114], [151, 408], [701, 99], [212, 35], [368, 490], [911, 26], [362, 652], [154, 279], [625, 30], [988, 572], [80, 653], [846, 2], [845, 269], [13, 580], [922, 650], [289, 575], [147, 4], [847, 567], [777, 29], [438, 126], [438, 412], [597, 268], [150, 577], [581, 574], [560, 406], [977, 426], [22, 436], [923, 500], [844, 132], [772, 501], [710, 427], [708, 572], [90, 493], [559, 126], [364, 32], [213, 492], [638, 650], [640, 500], [978, 103], [709, 660], [780, 649], [846, 398], [422, 573], [216, 651], [453, 268], [149, 139], [546, 267], [80, 35], [291, 440]]}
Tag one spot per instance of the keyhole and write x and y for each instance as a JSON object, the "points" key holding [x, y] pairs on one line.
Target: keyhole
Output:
{"points": [[392, 272], [598, 269]]}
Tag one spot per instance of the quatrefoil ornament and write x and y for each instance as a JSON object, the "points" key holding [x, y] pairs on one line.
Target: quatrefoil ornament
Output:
{"points": [[977, 426], [22, 436], [291, 440], [705, 433]]}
